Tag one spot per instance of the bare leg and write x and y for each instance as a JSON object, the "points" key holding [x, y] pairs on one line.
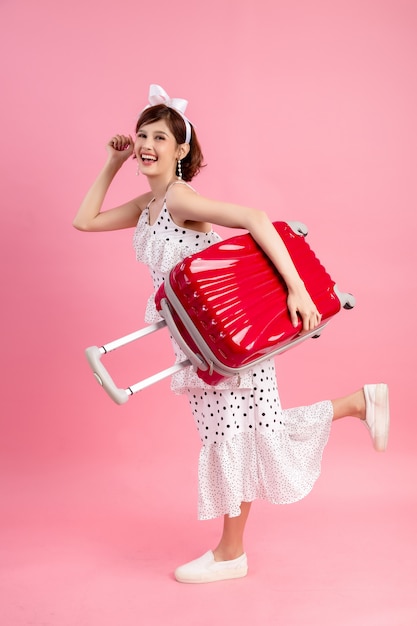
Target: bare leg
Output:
{"points": [[352, 405], [372, 405], [231, 542]]}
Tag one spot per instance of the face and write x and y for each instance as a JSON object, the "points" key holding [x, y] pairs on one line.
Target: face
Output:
{"points": [[156, 149]]}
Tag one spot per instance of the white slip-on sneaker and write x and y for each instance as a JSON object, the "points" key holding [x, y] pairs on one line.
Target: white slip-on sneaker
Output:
{"points": [[377, 414], [206, 570]]}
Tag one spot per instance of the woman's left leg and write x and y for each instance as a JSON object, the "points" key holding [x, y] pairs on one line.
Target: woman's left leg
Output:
{"points": [[355, 405]]}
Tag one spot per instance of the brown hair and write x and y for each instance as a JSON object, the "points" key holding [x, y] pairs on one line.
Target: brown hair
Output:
{"points": [[193, 162]]}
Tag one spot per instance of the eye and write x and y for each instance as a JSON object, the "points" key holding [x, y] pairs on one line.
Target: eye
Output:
{"points": [[160, 137], [140, 134]]}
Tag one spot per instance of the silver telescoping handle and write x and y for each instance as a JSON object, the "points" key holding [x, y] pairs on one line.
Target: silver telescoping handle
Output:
{"points": [[120, 395], [122, 341], [94, 354]]}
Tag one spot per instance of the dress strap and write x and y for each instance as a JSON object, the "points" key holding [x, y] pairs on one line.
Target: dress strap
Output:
{"points": [[149, 203], [178, 182]]}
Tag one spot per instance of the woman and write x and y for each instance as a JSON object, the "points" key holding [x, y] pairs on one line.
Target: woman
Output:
{"points": [[252, 448]]}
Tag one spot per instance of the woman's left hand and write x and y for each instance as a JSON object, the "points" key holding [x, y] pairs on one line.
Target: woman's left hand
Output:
{"points": [[300, 304]]}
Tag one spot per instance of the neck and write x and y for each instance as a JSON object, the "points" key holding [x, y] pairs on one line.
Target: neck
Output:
{"points": [[159, 186]]}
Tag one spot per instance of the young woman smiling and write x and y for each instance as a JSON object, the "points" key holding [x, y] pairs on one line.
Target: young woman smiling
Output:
{"points": [[243, 456]]}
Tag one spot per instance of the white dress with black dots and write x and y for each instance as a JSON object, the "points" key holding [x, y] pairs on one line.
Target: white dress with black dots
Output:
{"points": [[252, 448]]}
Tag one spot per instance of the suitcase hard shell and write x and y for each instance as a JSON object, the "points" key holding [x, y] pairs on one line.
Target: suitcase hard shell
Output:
{"points": [[226, 307], [230, 304]]}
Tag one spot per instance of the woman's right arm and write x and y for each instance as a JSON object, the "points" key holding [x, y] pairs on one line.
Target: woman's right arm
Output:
{"points": [[89, 216]]}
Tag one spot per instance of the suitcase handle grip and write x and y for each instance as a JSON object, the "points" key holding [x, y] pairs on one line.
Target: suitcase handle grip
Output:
{"points": [[94, 354], [196, 360]]}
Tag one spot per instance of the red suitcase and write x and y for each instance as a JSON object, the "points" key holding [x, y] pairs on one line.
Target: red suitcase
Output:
{"points": [[226, 307]]}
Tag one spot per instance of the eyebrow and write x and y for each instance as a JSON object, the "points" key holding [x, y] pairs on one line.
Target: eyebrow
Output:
{"points": [[155, 132]]}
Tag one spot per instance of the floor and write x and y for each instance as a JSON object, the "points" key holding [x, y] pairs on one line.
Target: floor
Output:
{"points": [[96, 546]]}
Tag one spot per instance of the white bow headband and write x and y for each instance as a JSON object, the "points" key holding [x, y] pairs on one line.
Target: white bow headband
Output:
{"points": [[157, 95]]}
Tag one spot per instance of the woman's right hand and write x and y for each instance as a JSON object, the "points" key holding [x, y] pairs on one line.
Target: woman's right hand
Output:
{"points": [[120, 148], [90, 216]]}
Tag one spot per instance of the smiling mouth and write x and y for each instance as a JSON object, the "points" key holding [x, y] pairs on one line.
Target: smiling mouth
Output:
{"points": [[148, 158]]}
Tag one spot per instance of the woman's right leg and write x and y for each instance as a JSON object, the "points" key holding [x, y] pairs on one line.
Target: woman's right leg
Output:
{"points": [[231, 542], [227, 561]]}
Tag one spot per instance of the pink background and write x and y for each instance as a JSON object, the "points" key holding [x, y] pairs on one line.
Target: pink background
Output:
{"points": [[305, 109]]}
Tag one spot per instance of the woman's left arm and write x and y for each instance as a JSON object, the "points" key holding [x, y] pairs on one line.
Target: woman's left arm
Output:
{"points": [[187, 206]]}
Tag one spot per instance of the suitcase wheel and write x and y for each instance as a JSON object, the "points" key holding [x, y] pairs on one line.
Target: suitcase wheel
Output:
{"points": [[347, 300], [299, 228]]}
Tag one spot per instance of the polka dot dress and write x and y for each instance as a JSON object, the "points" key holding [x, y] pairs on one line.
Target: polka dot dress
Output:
{"points": [[251, 447]]}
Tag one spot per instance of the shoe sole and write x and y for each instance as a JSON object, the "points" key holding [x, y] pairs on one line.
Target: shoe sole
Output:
{"points": [[211, 578], [382, 417]]}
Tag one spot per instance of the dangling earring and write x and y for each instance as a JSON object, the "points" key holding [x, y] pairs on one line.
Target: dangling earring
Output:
{"points": [[137, 170], [179, 171]]}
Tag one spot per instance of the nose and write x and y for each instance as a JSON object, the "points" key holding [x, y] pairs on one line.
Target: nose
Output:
{"points": [[144, 143]]}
